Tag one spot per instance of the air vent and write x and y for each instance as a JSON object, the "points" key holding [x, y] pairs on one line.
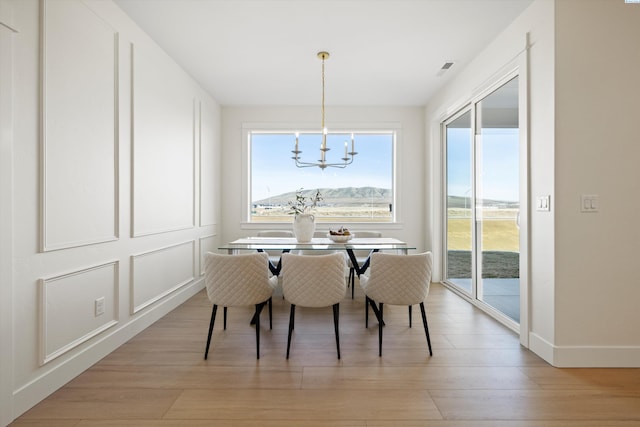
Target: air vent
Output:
{"points": [[445, 67]]}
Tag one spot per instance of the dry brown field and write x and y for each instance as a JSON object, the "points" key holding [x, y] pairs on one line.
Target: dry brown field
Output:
{"points": [[328, 214], [499, 228]]}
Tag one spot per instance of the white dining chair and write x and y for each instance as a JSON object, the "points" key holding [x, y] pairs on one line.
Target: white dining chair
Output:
{"points": [[313, 281], [238, 280], [274, 255], [361, 257], [397, 280]]}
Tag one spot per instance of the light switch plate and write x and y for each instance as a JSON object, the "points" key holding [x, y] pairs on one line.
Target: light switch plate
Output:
{"points": [[543, 203], [589, 203]]}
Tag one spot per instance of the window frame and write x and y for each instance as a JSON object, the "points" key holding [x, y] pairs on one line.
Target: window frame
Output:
{"points": [[289, 128]]}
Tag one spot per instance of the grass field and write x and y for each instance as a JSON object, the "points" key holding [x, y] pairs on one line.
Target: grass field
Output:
{"points": [[499, 230]]}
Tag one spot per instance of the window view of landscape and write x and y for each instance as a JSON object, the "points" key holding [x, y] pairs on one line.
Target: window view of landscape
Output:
{"points": [[483, 236], [360, 192]]}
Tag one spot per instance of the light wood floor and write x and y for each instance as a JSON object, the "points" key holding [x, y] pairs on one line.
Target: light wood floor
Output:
{"points": [[478, 376]]}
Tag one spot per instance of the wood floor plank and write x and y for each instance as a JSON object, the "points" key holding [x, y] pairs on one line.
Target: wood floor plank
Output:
{"points": [[304, 405], [417, 378], [83, 403], [538, 404]]}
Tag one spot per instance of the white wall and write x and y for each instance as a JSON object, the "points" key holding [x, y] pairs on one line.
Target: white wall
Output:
{"points": [[581, 141], [115, 189], [597, 145], [411, 191]]}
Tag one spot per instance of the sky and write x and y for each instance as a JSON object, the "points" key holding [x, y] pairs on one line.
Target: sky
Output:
{"points": [[498, 168], [274, 171]]}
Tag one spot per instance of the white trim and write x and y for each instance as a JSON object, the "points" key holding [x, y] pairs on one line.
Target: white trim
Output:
{"points": [[394, 128], [525, 191], [6, 218], [571, 356]]}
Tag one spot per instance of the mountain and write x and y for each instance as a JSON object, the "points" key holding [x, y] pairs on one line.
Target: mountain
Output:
{"points": [[335, 196], [464, 202]]}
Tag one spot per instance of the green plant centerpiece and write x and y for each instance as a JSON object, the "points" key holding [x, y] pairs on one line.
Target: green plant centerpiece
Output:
{"points": [[304, 204], [302, 207]]}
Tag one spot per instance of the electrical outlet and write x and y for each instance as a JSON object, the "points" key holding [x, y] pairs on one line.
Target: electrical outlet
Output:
{"points": [[99, 306]]}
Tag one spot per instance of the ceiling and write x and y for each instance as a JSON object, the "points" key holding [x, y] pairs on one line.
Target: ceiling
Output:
{"points": [[263, 52]]}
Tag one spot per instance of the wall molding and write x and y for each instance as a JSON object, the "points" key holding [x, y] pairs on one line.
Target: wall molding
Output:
{"points": [[203, 250], [45, 244], [137, 271], [140, 213], [45, 283]]}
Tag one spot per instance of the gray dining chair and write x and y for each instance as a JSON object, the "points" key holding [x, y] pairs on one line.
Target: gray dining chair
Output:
{"points": [[238, 280], [397, 280], [313, 281]]}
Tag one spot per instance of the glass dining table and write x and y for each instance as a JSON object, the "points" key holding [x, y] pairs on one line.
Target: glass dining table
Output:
{"points": [[320, 244]]}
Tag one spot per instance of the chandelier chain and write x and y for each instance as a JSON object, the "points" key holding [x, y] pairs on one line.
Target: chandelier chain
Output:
{"points": [[323, 93]]}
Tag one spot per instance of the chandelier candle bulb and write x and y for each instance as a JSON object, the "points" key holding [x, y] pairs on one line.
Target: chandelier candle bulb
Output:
{"points": [[345, 150]]}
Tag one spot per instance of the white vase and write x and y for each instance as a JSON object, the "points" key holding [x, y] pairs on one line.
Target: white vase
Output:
{"points": [[304, 226]]}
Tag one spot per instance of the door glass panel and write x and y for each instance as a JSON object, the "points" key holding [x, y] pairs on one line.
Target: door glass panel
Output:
{"points": [[459, 164], [497, 200]]}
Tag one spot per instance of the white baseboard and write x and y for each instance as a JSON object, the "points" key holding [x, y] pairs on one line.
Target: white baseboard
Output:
{"points": [[585, 356]]}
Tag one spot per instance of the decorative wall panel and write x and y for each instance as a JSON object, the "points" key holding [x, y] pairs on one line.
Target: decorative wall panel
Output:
{"points": [[209, 184], [76, 307], [207, 244], [158, 273], [79, 127], [163, 145]]}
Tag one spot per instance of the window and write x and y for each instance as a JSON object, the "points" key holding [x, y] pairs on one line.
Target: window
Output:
{"points": [[360, 192]]}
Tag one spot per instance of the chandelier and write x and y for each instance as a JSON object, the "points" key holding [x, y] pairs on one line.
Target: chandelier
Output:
{"points": [[322, 163]]}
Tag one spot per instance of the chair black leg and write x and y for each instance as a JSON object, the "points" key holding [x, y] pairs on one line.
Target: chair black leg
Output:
{"points": [[258, 311], [270, 313], [291, 317], [380, 324], [336, 314], [410, 315], [426, 327], [353, 282], [375, 310], [366, 312], [211, 322], [225, 319]]}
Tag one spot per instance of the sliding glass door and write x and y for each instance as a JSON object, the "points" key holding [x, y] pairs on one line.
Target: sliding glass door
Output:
{"points": [[459, 202], [482, 185]]}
